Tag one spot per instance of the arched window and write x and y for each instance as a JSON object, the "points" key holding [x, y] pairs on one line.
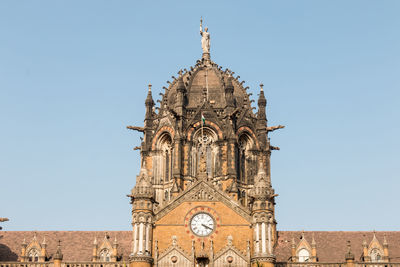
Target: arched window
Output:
{"points": [[162, 162], [105, 255], [304, 255], [247, 167], [375, 255], [33, 255], [204, 152]]}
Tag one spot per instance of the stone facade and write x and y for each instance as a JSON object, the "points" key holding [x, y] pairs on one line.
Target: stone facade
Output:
{"points": [[206, 152]]}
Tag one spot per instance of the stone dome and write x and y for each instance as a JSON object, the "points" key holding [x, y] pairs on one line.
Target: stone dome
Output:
{"points": [[206, 77]]}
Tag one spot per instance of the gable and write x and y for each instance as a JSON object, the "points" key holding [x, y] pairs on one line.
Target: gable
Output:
{"points": [[202, 191]]}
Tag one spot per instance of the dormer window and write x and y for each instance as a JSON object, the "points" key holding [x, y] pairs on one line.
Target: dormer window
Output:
{"points": [[105, 255], [33, 255], [304, 255], [375, 255]]}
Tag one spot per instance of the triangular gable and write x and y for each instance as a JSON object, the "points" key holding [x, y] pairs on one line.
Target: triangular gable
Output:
{"points": [[105, 244], [225, 251], [303, 244], [171, 249], [375, 244], [203, 191], [206, 108]]}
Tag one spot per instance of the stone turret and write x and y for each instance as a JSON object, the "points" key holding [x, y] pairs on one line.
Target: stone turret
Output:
{"points": [[58, 256], [42, 257], [94, 250], [385, 249], [349, 257], [264, 225], [142, 200]]}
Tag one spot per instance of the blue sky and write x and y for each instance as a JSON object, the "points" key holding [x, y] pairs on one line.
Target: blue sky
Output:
{"points": [[74, 74]]}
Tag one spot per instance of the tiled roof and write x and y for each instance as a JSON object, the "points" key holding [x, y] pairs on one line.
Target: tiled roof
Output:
{"points": [[332, 245], [77, 245]]}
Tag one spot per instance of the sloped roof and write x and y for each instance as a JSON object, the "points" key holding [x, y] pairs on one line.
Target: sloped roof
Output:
{"points": [[332, 245], [77, 245]]}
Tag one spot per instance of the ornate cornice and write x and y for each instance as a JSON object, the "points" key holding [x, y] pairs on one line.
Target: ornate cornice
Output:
{"points": [[269, 258], [140, 258]]}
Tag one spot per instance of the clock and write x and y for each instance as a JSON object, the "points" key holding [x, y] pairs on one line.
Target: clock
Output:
{"points": [[202, 224]]}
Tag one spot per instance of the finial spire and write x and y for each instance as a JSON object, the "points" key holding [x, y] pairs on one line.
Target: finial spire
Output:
{"points": [[349, 255], [261, 87], [150, 87], [58, 255]]}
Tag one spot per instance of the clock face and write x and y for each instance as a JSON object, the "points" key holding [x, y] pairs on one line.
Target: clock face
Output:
{"points": [[202, 224]]}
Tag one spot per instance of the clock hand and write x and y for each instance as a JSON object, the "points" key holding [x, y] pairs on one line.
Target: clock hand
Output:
{"points": [[206, 226]]}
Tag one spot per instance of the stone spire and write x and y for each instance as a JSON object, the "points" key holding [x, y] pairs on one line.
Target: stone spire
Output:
{"points": [[293, 250], [149, 103], [385, 248], [58, 255], [313, 249], [115, 249], [143, 188], [262, 103], [349, 255], [94, 251], [262, 188]]}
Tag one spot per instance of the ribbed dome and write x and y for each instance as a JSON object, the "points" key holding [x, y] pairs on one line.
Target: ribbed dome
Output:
{"points": [[206, 75]]}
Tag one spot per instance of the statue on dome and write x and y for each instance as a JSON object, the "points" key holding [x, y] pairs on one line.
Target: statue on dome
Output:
{"points": [[205, 38]]}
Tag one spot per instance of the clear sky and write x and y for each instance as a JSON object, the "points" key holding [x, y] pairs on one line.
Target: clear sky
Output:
{"points": [[74, 74]]}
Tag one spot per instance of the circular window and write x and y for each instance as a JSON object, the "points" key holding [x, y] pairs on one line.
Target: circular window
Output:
{"points": [[174, 259], [229, 259]]}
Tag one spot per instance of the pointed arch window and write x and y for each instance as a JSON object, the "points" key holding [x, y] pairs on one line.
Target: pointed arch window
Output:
{"points": [[247, 167], [205, 152], [304, 255], [33, 255], [162, 167], [105, 255], [375, 255]]}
